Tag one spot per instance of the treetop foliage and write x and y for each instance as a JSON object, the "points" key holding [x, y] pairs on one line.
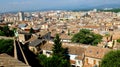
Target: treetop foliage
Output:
{"points": [[85, 36], [111, 59], [6, 46], [118, 40], [5, 31], [59, 58]]}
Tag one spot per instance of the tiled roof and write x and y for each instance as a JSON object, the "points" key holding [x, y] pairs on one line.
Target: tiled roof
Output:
{"points": [[116, 46], [80, 57], [96, 52], [35, 42], [65, 36], [76, 50], [47, 46], [42, 33], [8, 61], [33, 37]]}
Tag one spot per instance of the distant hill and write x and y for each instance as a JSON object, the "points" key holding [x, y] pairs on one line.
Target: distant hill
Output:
{"points": [[107, 6], [116, 10]]}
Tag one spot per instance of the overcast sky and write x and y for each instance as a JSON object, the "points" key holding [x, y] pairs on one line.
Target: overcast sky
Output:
{"points": [[19, 5]]}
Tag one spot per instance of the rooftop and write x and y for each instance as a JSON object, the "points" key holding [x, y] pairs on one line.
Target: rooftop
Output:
{"points": [[96, 52], [8, 61], [35, 42]]}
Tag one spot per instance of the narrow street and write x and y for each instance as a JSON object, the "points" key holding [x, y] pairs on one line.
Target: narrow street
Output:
{"points": [[19, 53], [25, 55]]}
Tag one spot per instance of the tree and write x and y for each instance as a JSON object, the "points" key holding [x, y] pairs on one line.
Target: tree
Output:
{"points": [[6, 30], [11, 33], [53, 61], [118, 40], [111, 59], [44, 60], [85, 36], [6, 46], [1, 33], [57, 46], [58, 50], [59, 58], [31, 30]]}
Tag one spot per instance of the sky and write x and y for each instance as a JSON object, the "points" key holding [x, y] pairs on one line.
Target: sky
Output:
{"points": [[22, 5]]}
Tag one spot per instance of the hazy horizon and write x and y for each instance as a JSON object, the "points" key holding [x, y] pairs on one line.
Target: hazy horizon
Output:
{"points": [[23, 5]]}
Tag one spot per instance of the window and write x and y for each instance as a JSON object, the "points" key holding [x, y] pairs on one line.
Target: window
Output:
{"points": [[87, 60], [78, 62], [94, 61], [99, 63], [33, 49], [48, 52]]}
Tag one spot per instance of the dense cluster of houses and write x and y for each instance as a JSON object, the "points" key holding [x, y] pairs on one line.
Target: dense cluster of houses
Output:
{"points": [[67, 23], [81, 55]]}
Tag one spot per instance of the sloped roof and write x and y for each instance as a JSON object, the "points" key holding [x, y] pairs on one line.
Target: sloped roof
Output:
{"points": [[22, 25], [65, 36], [76, 50], [42, 33], [8, 61], [96, 52], [47, 46], [35, 42]]}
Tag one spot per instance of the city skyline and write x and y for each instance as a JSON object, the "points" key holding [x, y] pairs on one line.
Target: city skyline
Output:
{"points": [[22, 5]]}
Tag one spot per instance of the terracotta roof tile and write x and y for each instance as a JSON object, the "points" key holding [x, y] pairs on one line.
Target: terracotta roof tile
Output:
{"points": [[65, 36], [77, 50], [96, 52], [8, 61]]}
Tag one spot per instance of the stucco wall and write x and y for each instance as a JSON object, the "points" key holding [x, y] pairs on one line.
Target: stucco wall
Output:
{"points": [[91, 60], [79, 63], [33, 49]]}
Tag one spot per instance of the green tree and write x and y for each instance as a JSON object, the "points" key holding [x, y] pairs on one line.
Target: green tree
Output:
{"points": [[6, 30], [6, 46], [58, 50], [111, 59], [53, 61], [59, 58], [85, 36], [2, 33], [31, 30], [57, 46], [118, 40], [97, 38], [44, 60], [11, 33]]}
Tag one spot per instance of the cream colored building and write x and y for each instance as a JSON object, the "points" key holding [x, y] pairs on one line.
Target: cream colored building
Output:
{"points": [[93, 55]]}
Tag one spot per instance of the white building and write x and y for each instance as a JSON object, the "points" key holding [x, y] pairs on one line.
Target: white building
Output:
{"points": [[76, 53], [21, 16]]}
